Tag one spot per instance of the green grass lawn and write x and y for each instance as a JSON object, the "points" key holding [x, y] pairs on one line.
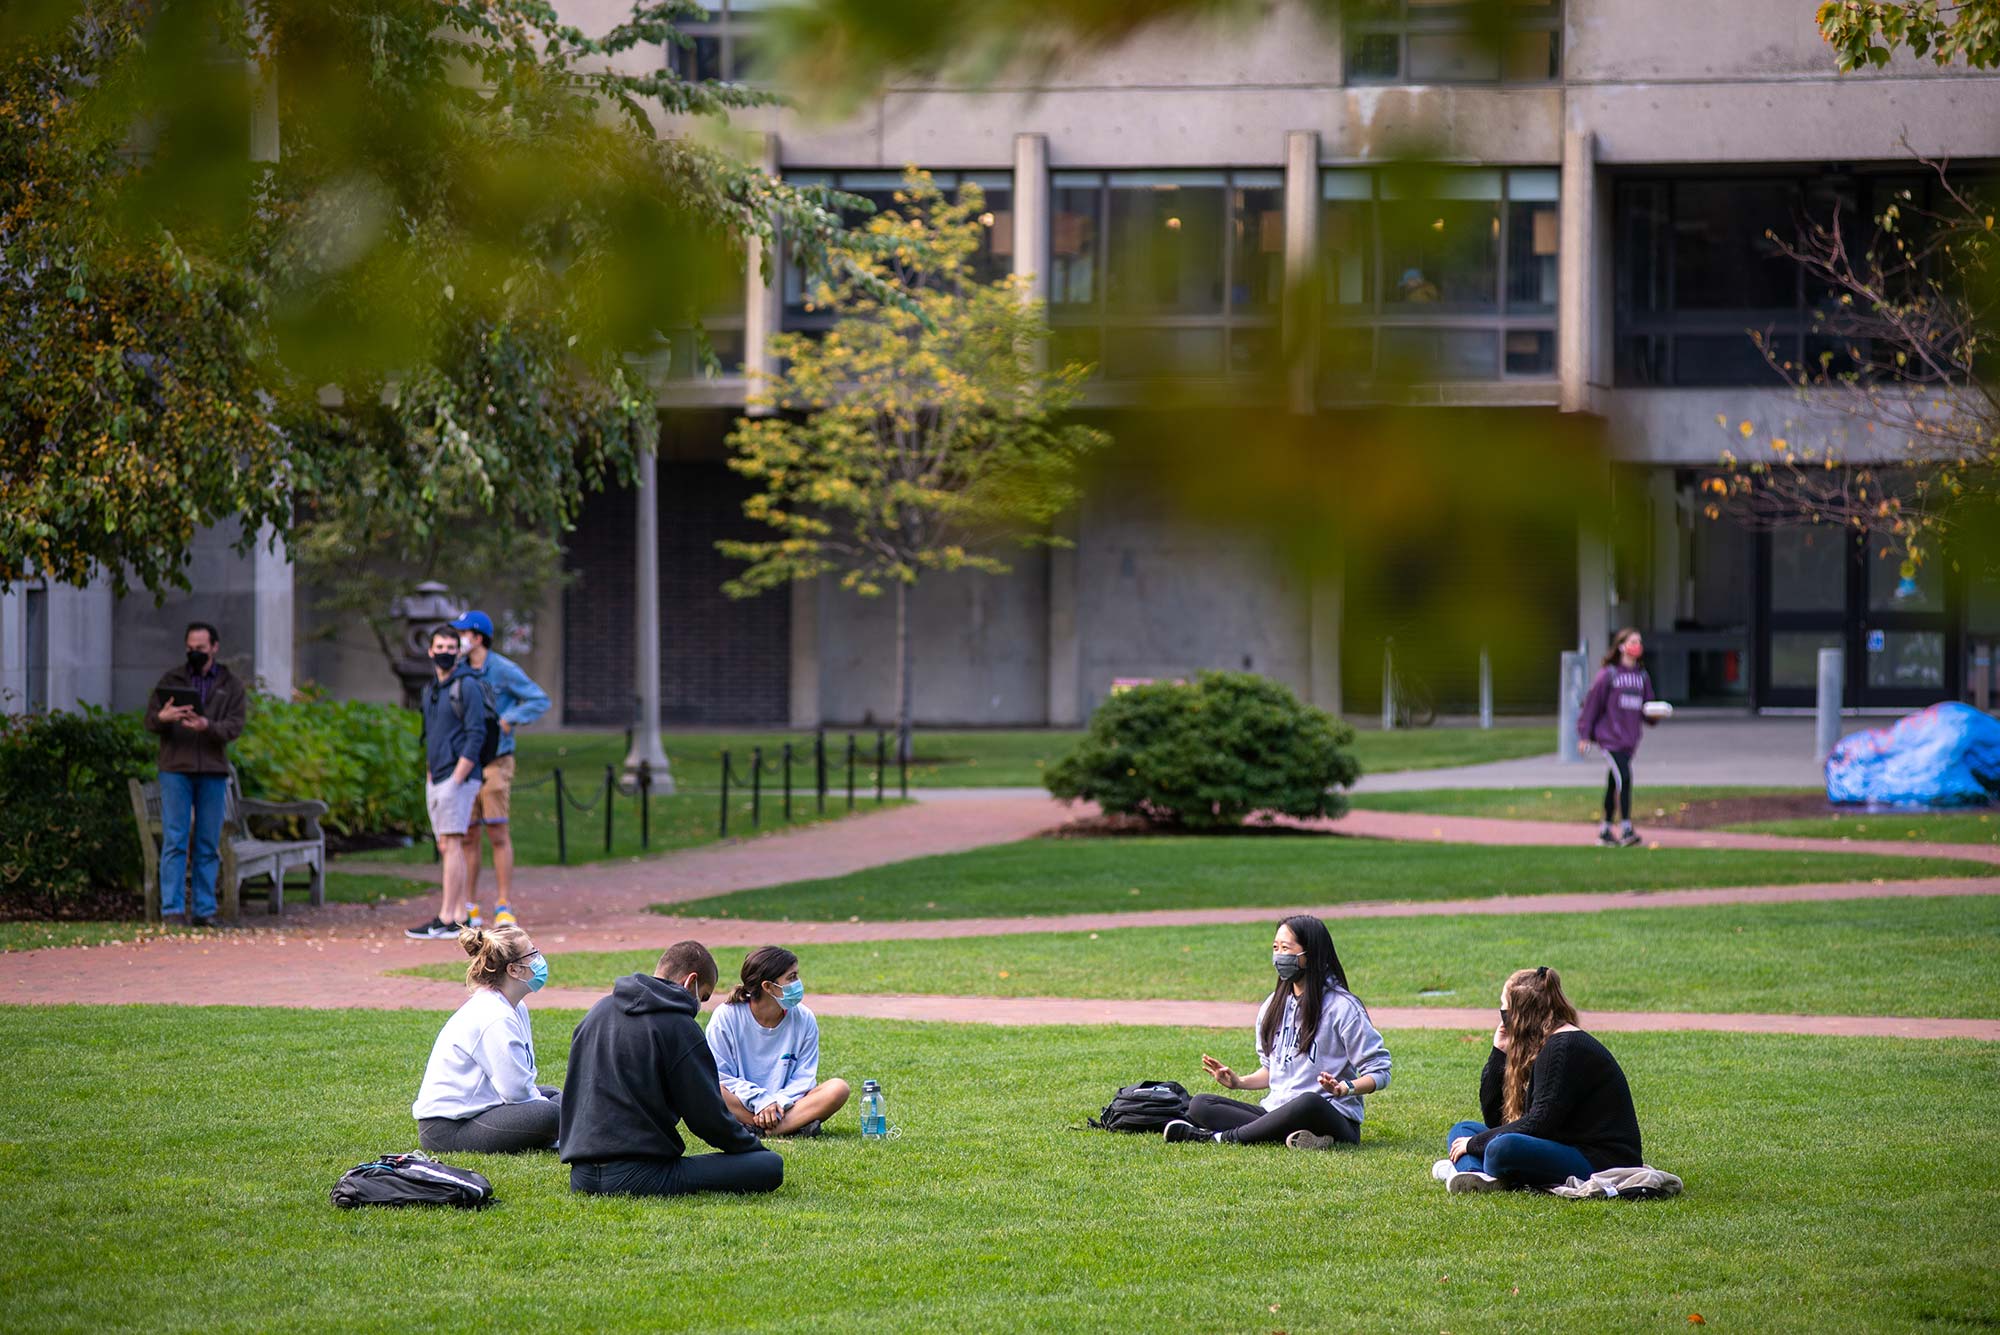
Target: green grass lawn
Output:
{"points": [[985, 758], [341, 888], [1576, 806], [1932, 957], [170, 1169], [685, 820], [1119, 875], [1944, 827]]}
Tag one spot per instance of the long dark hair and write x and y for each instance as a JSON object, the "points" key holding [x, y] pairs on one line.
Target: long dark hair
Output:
{"points": [[1617, 650], [1536, 1008], [1322, 965], [765, 964]]}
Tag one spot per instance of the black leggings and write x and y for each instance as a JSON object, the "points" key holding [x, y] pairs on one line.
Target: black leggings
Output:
{"points": [[1246, 1124], [1618, 787]]}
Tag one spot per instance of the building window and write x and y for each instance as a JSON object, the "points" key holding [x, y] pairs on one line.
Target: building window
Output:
{"points": [[993, 261], [723, 45], [1453, 281], [1448, 41], [1697, 272], [1166, 273]]}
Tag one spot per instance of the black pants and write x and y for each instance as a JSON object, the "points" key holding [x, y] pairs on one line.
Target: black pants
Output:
{"points": [[753, 1170], [1246, 1124], [1618, 787], [509, 1128]]}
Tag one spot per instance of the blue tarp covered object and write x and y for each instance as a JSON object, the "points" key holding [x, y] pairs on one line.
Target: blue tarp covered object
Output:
{"points": [[1946, 756]]}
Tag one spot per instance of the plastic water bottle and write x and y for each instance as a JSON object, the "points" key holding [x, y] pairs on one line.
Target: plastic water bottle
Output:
{"points": [[874, 1112]]}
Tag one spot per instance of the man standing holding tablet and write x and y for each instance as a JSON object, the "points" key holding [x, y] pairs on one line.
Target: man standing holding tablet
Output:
{"points": [[197, 710]]}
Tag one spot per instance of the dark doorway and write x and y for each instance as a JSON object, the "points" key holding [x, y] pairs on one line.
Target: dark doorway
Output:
{"points": [[1819, 587]]}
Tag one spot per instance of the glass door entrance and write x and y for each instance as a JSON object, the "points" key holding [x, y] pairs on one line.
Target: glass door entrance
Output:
{"points": [[1820, 588]]}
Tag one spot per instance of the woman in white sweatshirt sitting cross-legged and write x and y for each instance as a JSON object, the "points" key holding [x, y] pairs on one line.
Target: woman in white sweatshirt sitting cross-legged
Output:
{"points": [[766, 1048], [479, 1094]]}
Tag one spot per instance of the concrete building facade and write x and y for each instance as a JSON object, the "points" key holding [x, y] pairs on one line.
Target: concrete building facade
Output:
{"points": [[1610, 174]]}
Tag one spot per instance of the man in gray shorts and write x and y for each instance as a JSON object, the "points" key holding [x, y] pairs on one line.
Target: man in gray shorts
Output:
{"points": [[455, 723]]}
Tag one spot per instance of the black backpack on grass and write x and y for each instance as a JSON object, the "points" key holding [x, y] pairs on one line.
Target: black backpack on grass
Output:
{"points": [[411, 1179], [1146, 1106]]}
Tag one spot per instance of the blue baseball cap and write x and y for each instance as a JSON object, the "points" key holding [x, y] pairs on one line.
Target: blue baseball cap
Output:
{"points": [[478, 621]]}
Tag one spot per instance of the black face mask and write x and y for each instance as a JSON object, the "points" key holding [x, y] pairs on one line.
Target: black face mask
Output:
{"points": [[445, 659], [197, 660]]}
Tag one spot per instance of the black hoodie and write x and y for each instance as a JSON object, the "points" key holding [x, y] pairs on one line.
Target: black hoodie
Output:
{"points": [[638, 1064]]}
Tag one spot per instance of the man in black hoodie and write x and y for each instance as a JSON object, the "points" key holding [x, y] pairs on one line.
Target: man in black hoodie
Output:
{"points": [[639, 1064]]}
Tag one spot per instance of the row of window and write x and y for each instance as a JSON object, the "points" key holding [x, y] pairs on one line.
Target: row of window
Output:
{"points": [[1449, 275], [1385, 41]]}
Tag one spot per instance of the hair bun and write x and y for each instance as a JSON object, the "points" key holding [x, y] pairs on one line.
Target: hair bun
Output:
{"points": [[472, 938]]}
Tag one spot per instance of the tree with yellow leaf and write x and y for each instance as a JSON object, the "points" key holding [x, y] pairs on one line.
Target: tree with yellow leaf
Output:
{"points": [[919, 435]]}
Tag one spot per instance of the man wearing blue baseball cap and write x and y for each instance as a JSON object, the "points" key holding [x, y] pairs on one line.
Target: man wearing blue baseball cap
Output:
{"points": [[519, 702]]}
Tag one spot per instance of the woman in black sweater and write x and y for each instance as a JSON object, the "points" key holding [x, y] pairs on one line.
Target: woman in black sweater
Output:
{"points": [[1555, 1103]]}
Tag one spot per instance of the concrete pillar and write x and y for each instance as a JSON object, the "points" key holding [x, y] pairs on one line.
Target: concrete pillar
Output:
{"points": [[1031, 213], [80, 645], [1065, 688], [1832, 684], [806, 598], [14, 650], [274, 634], [763, 301], [1669, 557], [1575, 669], [1576, 298], [1302, 288], [1326, 597], [646, 748], [1593, 582]]}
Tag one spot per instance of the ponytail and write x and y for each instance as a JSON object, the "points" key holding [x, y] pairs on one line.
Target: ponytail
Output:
{"points": [[765, 964], [492, 950]]}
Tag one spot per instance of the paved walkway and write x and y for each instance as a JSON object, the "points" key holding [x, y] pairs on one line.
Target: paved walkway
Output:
{"points": [[346, 955]]}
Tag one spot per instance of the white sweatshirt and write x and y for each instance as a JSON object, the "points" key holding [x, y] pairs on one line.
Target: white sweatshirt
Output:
{"points": [[484, 1057], [1345, 1046], [765, 1066]]}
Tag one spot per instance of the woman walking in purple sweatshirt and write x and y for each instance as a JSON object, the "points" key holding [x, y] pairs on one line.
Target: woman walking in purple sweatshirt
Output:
{"points": [[1612, 713]]}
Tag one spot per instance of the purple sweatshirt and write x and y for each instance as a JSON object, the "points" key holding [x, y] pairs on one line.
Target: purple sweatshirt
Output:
{"points": [[1611, 711]]}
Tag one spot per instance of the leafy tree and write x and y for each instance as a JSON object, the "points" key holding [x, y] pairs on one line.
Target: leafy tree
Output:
{"points": [[1908, 321], [910, 439], [475, 218], [1866, 32]]}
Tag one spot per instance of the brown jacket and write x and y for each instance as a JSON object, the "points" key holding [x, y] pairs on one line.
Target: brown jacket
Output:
{"points": [[185, 750]]}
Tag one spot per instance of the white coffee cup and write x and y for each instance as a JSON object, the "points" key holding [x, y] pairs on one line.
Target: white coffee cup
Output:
{"points": [[1657, 709]]}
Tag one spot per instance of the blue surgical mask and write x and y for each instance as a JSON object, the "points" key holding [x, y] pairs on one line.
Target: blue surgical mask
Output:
{"points": [[794, 993], [538, 974]]}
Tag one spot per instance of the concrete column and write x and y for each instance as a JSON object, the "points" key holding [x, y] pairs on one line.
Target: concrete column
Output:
{"points": [[1593, 602], [1302, 289], [1065, 688], [763, 300], [1031, 213], [1669, 559], [646, 748], [1576, 297], [1064, 691], [1832, 684], [14, 650], [80, 645], [274, 634], [806, 598], [1325, 598]]}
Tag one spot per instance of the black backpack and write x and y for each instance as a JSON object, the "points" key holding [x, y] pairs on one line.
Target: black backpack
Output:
{"points": [[489, 745], [411, 1179], [1146, 1106]]}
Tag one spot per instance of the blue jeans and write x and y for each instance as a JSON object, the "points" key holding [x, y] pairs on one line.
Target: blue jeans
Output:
{"points": [[190, 804], [1529, 1161]]}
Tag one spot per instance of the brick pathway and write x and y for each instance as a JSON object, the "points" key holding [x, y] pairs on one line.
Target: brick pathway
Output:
{"points": [[343, 956]]}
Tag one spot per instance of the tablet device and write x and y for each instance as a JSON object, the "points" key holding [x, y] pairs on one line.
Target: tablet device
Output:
{"points": [[180, 695]]}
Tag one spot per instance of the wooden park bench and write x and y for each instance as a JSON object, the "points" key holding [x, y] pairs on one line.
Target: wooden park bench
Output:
{"points": [[244, 856]]}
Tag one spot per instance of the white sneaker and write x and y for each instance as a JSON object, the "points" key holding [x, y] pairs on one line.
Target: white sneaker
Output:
{"points": [[1460, 1184], [1442, 1170]]}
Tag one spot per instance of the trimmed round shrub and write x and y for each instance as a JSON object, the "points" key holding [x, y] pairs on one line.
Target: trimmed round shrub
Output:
{"points": [[1205, 754]]}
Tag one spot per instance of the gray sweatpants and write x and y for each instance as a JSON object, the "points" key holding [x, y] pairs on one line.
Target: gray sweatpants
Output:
{"points": [[507, 1129]]}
